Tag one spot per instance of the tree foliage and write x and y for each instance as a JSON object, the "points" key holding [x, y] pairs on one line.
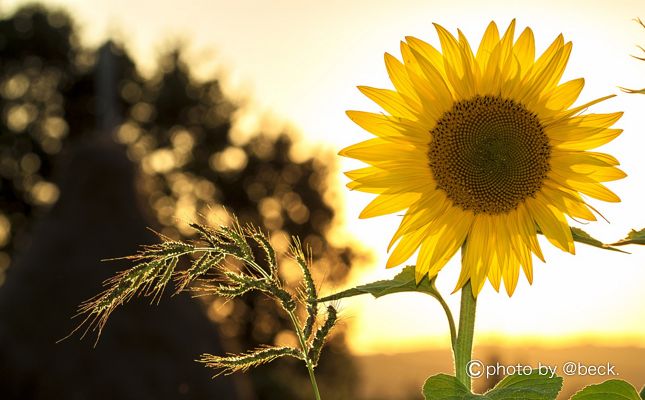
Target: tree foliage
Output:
{"points": [[177, 130]]}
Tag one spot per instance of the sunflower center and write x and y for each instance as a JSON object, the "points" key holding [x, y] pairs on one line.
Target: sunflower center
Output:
{"points": [[489, 154]]}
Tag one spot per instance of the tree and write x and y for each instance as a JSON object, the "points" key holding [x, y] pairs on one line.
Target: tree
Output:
{"points": [[177, 130]]}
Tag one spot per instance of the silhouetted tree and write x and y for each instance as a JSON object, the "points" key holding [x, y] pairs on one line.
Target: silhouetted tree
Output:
{"points": [[178, 130]]}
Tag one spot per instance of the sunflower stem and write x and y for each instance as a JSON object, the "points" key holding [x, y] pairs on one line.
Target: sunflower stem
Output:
{"points": [[463, 349]]}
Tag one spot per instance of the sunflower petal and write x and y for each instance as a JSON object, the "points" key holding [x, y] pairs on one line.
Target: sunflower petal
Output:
{"points": [[392, 102], [552, 223], [488, 43], [388, 203], [390, 128], [399, 77], [565, 94], [407, 246], [524, 50]]}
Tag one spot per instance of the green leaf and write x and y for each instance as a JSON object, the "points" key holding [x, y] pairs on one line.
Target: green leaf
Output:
{"points": [[403, 282], [533, 386], [643, 393], [446, 387], [613, 389], [633, 237], [583, 237]]}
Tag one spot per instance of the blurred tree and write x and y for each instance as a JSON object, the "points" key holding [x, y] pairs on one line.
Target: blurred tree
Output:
{"points": [[37, 60], [178, 130], [143, 356]]}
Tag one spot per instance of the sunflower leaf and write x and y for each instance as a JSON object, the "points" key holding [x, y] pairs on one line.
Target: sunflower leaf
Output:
{"points": [[534, 386], [581, 236], [633, 237], [404, 281], [447, 387], [613, 389]]}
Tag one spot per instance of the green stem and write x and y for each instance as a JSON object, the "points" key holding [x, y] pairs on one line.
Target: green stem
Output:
{"points": [[312, 377], [305, 353], [463, 349], [299, 333], [451, 320]]}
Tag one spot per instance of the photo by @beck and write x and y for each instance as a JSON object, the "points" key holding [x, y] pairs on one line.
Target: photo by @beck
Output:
{"points": [[481, 149]]}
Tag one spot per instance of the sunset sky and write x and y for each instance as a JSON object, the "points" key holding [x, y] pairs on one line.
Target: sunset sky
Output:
{"points": [[300, 61]]}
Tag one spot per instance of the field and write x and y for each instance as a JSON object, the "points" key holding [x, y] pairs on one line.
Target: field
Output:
{"points": [[399, 376]]}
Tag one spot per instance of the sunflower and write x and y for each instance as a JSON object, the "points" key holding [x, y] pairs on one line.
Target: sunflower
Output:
{"points": [[484, 150]]}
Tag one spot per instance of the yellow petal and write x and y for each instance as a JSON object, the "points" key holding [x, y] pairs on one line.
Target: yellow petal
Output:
{"points": [[431, 101], [502, 65], [422, 213], [567, 200], [406, 247], [388, 204], [599, 174], [571, 157], [457, 64], [394, 178], [543, 78], [435, 80], [552, 223], [455, 225], [495, 273], [409, 60], [477, 255], [399, 77], [548, 54], [526, 226], [379, 151], [450, 48], [562, 116], [391, 101], [524, 50], [583, 138], [520, 244], [595, 190], [488, 43], [511, 275], [427, 52], [391, 128], [565, 94]]}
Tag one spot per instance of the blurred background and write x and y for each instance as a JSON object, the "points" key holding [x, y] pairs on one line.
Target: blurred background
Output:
{"points": [[122, 115]]}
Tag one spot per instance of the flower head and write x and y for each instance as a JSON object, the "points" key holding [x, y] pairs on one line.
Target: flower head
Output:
{"points": [[484, 150]]}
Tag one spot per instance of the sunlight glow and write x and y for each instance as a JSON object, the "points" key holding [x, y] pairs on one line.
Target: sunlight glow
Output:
{"points": [[302, 61]]}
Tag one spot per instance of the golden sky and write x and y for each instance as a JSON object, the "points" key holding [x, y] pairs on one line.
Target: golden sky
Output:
{"points": [[301, 60]]}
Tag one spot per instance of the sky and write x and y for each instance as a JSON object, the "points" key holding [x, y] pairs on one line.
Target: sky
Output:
{"points": [[300, 61]]}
